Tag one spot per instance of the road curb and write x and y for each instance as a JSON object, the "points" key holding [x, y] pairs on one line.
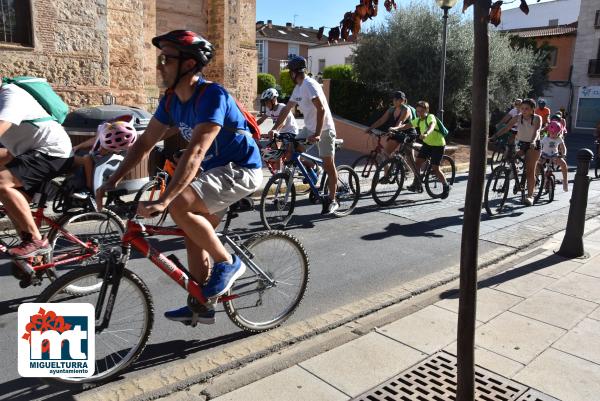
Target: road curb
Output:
{"points": [[200, 368]]}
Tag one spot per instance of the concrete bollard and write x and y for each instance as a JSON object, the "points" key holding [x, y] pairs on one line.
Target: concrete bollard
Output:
{"points": [[572, 244]]}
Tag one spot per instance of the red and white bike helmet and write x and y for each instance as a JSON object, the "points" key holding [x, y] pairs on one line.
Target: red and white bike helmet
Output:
{"points": [[118, 134], [555, 128]]}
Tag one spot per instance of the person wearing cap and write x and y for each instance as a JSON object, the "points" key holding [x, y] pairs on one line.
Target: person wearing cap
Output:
{"points": [[398, 114], [219, 141], [318, 127], [543, 111]]}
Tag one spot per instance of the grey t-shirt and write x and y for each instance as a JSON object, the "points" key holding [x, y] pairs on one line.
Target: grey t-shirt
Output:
{"points": [[18, 106]]}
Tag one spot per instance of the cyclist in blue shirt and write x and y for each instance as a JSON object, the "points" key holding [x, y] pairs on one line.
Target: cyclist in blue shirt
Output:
{"points": [[219, 142]]}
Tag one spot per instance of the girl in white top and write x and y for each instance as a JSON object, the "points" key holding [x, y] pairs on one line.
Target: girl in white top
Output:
{"points": [[528, 135], [553, 148]]}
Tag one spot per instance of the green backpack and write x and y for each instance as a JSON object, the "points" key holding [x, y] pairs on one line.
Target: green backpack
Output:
{"points": [[441, 127], [43, 93]]}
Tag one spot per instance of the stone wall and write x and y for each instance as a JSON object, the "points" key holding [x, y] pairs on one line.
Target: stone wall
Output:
{"points": [[89, 48], [70, 49]]}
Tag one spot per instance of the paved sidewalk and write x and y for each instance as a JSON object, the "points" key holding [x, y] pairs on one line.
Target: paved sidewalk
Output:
{"points": [[538, 325]]}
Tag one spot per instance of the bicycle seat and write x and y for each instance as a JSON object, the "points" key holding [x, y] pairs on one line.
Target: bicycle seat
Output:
{"points": [[339, 143]]}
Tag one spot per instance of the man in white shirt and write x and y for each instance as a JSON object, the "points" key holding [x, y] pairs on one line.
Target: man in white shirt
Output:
{"points": [[33, 153], [318, 123]]}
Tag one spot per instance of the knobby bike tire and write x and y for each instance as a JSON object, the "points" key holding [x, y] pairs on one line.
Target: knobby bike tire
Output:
{"points": [[435, 188], [265, 249], [388, 182], [496, 158], [365, 166], [111, 229], [151, 189], [498, 184], [271, 203], [56, 291], [347, 190], [545, 188]]}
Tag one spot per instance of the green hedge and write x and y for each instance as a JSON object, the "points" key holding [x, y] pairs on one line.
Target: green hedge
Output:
{"points": [[286, 83], [265, 81], [339, 71], [358, 102]]}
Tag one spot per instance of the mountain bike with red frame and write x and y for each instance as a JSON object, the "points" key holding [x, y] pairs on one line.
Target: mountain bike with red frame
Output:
{"points": [[76, 238], [263, 298]]}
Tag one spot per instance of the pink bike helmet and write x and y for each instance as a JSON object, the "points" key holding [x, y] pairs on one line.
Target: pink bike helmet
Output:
{"points": [[555, 127], [117, 135]]}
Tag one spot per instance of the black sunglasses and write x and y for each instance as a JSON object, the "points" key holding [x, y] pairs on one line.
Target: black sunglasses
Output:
{"points": [[163, 59]]}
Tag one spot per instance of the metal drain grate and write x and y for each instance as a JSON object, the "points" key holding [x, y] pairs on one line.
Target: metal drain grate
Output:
{"points": [[434, 379], [534, 395]]}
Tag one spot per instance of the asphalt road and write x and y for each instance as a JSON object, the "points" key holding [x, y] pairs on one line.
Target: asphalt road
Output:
{"points": [[351, 258]]}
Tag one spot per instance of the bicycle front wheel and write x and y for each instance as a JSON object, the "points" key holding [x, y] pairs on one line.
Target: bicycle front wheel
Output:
{"points": [[347, 190], [387, 182], [76, 235], [544, 186], [496, 190], [433, 185], [260, 305], [130, 324], [151, 191], [277, 202], [365, 167]]}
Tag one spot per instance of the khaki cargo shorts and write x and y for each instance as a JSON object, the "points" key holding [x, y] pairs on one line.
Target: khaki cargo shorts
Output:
{"points": [[326, 144], [221, 187]]}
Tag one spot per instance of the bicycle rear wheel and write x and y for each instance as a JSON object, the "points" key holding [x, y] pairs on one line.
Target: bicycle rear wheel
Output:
{"points": [[365, 167], [122, 342], [277, 202], [496, 190], [260, 305], [347, 190], [151, 191], [387, 182], [102, 229]]}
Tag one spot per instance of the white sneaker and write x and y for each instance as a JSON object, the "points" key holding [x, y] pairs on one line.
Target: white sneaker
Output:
{"points": [[529, 201]]}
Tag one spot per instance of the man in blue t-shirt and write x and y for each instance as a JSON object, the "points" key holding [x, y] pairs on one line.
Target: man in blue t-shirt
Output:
{"points": [[220, 142]]}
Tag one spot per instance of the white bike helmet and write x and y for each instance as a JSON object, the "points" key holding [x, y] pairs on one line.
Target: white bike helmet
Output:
{"points": [[271, 154], [269, 94]]}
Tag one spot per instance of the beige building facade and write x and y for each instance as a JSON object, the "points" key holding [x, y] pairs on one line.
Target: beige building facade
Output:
{"points": [[95, 50]]}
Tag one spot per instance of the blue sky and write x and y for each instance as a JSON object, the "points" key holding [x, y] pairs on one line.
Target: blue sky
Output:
{"points": [[327, 13]]}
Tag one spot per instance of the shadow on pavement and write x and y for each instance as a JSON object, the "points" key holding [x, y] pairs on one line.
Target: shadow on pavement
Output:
{"points": [[511, 274], [416, 229], [11, 305], [161, 353]]}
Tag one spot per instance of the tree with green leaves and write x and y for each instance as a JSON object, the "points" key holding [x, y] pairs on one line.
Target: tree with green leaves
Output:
{"points": [[406, 62]]}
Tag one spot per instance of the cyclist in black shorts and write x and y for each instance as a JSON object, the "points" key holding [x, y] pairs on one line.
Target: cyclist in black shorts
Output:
{"points": [[528, 135], [392, 119], [433, 147], [36, 149]]}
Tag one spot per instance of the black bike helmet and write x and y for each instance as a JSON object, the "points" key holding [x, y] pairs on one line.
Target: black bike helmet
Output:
{"points": [[297, 64], [188, 43]]}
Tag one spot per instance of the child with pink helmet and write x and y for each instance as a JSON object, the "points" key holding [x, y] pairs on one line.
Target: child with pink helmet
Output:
{"points": [[554, 149]]}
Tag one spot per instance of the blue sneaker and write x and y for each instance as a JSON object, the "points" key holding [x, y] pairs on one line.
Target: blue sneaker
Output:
{"points": [[223, 276], [185, 315]]}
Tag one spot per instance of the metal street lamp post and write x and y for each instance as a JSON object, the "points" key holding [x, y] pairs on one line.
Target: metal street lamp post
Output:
{"points": [[444, 5]]}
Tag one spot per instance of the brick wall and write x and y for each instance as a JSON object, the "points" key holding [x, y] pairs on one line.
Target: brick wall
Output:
{"points": [[87, 48], [70, 49]]}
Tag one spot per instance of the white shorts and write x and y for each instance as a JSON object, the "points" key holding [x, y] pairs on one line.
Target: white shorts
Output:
{"points": [[326, 144], [221, 187]]}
